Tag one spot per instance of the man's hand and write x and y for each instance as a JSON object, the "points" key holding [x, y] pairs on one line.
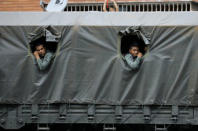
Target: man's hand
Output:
{"points": [[36, 55], [139, 55]]}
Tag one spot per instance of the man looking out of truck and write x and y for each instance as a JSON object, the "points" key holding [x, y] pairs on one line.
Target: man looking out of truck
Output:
{"points": [[134, 57], [111, 8], [43, 57]]}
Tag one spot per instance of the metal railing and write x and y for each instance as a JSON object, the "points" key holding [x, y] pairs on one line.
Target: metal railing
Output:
{"points": [[134, 7]]}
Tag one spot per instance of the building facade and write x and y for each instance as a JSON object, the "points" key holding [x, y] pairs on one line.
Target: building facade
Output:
{"points": [[96, 5]]}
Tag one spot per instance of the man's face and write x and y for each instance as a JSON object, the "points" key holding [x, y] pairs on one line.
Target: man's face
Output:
{"points": [[41, 50], [134, 50]]}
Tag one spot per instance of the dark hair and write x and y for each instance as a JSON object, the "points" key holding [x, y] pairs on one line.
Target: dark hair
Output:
{"points": [[134, 43], [38, 44]]}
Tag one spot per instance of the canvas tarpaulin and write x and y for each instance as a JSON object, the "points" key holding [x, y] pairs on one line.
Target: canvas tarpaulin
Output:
{"points": [[88, 66]]}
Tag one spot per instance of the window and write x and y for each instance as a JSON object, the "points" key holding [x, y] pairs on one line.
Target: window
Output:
{"points": [[49, 41], [132, 50], [43, 50]]}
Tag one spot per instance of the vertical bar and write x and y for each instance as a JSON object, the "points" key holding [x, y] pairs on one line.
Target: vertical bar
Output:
{"points": [[159, 6], [97, 7], [177, 7], [91, 112], [118, 112], [35, 111], [62, 111], [143, 7], [173, 7], [147, 112], [175, 110], [190, 6], [138, 7], [19, 110]]}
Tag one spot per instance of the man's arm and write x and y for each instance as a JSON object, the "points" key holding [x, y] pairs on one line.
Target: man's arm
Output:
{"points": [[104, 6], [133, 64], [43, 64], [115, 5], [36, 55]]}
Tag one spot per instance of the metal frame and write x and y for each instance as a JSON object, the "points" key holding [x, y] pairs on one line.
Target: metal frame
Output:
{"points": [[134, 6], [16, 116]]}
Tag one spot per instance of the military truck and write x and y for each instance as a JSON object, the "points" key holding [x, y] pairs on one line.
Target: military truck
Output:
{"points": [[89, 82]]}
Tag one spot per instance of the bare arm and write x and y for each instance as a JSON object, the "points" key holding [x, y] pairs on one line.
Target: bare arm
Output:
{"points": [[36, 55], [104, 6], [115, 5]]}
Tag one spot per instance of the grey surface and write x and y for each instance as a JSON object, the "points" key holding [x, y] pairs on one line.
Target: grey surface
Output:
{"points": [[99, 18], [88, 67]]}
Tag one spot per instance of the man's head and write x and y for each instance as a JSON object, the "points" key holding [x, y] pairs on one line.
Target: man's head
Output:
{"points": [[40, 49], [134, 50]]}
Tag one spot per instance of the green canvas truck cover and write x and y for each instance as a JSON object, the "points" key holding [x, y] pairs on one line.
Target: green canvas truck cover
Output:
{"points": [[88, 66]]}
